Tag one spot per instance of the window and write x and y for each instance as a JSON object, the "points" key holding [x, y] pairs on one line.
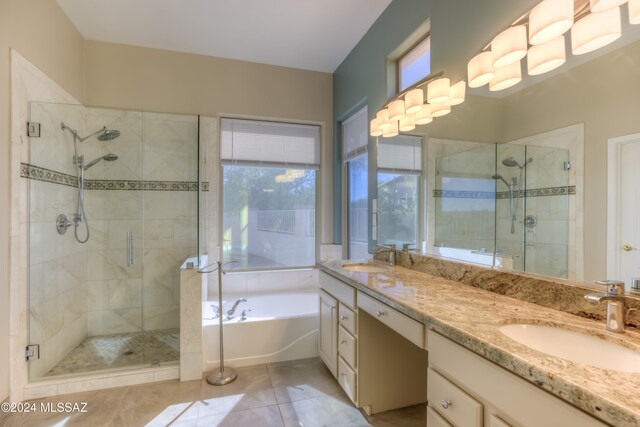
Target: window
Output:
{"points": [[355, 138], [415, 64], [399, 168], [269, 193]]}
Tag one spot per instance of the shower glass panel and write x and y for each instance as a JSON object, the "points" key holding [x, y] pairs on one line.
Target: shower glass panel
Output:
{"points": [[104, 294], [464, 198]]}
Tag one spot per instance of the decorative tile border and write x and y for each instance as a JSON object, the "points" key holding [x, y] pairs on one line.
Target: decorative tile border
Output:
{"points": [[451, 194], [47, 175], [533, 192]]}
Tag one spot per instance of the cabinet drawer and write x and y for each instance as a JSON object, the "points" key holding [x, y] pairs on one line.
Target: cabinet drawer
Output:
{"points": [[345, 293], [495, 421], [453, 404], [434, 419], [347, 379], [347, 318], [404, 325], [347, 346]]}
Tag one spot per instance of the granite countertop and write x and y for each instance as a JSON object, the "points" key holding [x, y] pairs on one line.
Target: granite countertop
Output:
{"points": [[471, 317]]}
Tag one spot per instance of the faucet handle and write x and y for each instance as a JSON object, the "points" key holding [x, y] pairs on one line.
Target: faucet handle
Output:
{"points": [[614, 287]]}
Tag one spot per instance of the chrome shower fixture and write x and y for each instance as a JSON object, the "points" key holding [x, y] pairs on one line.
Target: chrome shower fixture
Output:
{"points": [[104, 134], [512, 214], [510, 162], [108, 157]]}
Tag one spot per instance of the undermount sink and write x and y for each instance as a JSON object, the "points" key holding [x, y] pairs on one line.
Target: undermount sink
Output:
{"points": [[365, 267], [574, 346]]}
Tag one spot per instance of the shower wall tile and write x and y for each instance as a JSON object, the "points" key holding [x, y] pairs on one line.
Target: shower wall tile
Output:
{"points": [[158, 233], [125, 294], [160, 291], [114, 321], [112, 264], [97, 295], [161, 317]]}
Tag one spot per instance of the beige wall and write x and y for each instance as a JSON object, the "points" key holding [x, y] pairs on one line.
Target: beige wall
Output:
{"points": [[42, 33], [158, 80], [603, 94]]}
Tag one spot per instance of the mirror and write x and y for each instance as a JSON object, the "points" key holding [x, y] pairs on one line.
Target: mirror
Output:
{"points": [[518, 178]]}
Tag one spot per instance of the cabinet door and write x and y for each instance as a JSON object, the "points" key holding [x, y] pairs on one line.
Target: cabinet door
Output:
{"points": [[329, 331]]}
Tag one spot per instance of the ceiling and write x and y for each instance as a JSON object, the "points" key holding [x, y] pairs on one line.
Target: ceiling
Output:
{"points": [[307, 34]]}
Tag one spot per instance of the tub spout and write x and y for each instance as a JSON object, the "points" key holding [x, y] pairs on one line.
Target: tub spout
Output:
{"points": [[235, 306]]}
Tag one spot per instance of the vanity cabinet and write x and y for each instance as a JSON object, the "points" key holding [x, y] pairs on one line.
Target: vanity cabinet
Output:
{"points": [[466, 390], [378, 351]]}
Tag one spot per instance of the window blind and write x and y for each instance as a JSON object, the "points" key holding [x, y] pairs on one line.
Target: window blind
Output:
{"points": [[355, 135], [253, 142], [402, 153]]}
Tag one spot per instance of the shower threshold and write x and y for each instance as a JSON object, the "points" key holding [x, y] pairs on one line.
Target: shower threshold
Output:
{"points": [[118, 351]]}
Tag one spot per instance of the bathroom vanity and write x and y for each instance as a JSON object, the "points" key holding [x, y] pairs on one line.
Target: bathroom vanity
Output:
{"points": [[400, 337]]}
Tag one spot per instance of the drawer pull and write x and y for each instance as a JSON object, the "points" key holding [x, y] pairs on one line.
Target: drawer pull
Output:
{"points": [[380, 313], [445, 404], [332, 307], [343, 317], [343, 341], [344, 374]]}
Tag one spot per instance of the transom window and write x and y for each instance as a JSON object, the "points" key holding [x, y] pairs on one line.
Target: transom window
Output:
{"points": [[415, 64]]}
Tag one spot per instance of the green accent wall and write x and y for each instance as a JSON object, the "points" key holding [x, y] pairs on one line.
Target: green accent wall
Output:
{"points": [[362, 79]]}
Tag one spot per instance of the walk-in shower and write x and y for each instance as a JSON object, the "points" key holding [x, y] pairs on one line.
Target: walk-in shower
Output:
{"points": [[510, 162], [114, 301]]}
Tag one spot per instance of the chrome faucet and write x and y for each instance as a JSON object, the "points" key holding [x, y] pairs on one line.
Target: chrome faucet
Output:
{"points": [[615, 303], [235, 306], [244, 314], [390, 250]]}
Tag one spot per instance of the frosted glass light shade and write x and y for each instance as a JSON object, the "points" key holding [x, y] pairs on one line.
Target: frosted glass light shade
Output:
{"points": [[550, 19], [604, 5], [439, 110], [595, 31], [546, 57], [634, 12], [480, 69], [413, 101], [396, 110], [383, 119], [438, 90], [374, 130], [506, 77], [392, 130], [456, 93], [424, 116], [407, 123], [509, 46]]}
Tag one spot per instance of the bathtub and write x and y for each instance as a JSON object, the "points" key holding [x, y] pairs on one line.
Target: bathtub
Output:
{"points": [[280, 326]]}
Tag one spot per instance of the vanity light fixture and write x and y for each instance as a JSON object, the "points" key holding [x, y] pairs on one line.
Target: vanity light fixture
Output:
{"points": [[396, 110], [506, 77], [407, 123], [438, 90], [382, 118], [550, 19], [595, 31], [634, 12], [413, 100], [509, 46], [546, 57], [604, 5], [424, 116], [392, 130], [440, 109], [457, 93], [374, 128], [480, 69]]}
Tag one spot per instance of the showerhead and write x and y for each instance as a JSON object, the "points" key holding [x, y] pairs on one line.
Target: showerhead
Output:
{"points": [[499, 177], [108, 157], [108, 135], [510, 162]]}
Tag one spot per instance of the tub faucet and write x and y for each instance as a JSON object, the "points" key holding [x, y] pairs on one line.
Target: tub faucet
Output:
{"points": [[244, 314], [615, 303], [235, 306]]}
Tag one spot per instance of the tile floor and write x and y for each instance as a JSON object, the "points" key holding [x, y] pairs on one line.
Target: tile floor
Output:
{"points": [[297, 393], [120, 350]]}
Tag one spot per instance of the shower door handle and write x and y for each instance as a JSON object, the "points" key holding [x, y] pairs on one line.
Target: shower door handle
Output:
{"points": [[131, 259]]}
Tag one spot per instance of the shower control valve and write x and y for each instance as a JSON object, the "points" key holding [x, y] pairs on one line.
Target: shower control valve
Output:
{"points": [[62, 223]]}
